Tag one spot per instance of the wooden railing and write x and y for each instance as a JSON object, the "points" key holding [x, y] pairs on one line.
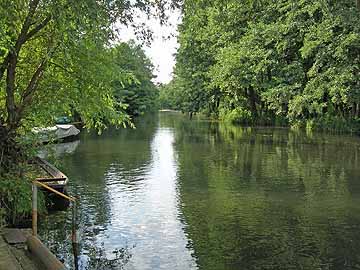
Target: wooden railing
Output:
{"points": [[34, 244], [35, 184], [72, 200]]}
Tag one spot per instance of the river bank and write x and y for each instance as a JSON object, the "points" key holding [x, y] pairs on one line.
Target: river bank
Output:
{"points": [[21, 250], [334, 125]]}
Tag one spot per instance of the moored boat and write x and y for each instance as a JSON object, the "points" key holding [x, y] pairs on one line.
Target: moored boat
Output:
{"points": [[57, 133], [55, 180]]}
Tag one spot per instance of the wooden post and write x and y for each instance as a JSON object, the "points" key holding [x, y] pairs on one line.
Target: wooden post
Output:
{"points": [[74, 236], [34, 209], [74, 231]]}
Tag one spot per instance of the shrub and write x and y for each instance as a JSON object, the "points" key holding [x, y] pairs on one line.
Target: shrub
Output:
{"points": [[236, 116], [16, 200]]}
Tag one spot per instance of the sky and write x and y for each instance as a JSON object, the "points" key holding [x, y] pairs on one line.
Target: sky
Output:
{"points": [[162, 50]]}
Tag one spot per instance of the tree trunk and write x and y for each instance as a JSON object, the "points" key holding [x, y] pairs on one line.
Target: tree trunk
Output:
{"points": [[10, 152], [10, 89], [10, 63], [252, 99]]}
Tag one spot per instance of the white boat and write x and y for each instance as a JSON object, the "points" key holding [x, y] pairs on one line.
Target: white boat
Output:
{"points": [[57, 133]]}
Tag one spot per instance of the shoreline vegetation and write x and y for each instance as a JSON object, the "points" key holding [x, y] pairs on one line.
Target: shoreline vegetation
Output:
{"points": [[282, 63], [65, 59], [337, 126]]}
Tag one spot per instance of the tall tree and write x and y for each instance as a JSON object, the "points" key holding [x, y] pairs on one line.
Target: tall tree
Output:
{"points": [[139, 93], [265, 60], [54, 57]]}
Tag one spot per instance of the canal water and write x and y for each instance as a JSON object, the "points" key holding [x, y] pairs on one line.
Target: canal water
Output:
{"points": [[181, 194]]}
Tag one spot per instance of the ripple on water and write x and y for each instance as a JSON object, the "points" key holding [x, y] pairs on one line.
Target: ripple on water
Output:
{"points": [[180, 194]]}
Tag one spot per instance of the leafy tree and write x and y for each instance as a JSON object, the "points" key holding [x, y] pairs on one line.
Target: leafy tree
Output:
{"points": [[56, 58], [266, 60], [171, 96], [139, 92], [194, 58]]}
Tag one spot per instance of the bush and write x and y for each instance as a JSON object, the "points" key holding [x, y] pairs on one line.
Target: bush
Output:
{"points": [[16, 200], [236, 116], [333, 124]]}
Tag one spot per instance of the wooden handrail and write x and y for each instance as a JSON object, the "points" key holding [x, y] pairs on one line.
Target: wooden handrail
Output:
{"points": [[55, 191], [74, 237]]}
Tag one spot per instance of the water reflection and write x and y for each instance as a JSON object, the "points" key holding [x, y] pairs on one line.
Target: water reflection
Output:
{"points": [[262, 198], [59, 149], [180, 194], [144, 210], [127, 183]]}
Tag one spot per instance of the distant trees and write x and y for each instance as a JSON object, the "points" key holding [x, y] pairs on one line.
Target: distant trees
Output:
{"points": [[262, 61], [171, 97], [59, 57], [138, 92], [55, 59]]}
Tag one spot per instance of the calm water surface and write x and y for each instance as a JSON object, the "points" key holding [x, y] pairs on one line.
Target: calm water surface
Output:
{"points": [[180, 194]]}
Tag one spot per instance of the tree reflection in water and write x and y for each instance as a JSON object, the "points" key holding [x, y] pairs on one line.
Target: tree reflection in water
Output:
{"points": [[97, 258]]}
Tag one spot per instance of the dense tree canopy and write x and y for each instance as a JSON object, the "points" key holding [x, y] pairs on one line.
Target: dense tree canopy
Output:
{"points": [[56, 59], [258, 61], [63, 57], [138, 92]]}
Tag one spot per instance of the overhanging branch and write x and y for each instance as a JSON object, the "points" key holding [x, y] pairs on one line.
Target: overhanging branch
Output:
{"points": [[30, 89], [37, 28]]}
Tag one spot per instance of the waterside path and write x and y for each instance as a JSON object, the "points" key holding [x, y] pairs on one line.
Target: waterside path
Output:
{"points": [[15, 256]]}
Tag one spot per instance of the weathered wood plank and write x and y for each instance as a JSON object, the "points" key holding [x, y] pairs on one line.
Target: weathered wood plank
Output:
{"points": [[14, 236], [23, 258], [7, 259]]}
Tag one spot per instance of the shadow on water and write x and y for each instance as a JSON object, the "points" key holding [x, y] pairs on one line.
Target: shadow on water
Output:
{"points": [[128, 217], [268, 198], [87, 168], [180, 194]]}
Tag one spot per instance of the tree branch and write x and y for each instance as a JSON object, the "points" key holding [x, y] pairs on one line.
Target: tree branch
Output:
{"points": [[62, 67], [26, 25], [10, 88], [10, 63], [30, 89], [38, 28], [21, 38]]}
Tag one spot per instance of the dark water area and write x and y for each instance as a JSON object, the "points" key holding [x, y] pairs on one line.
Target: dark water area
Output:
{"points": [[180, 194]]}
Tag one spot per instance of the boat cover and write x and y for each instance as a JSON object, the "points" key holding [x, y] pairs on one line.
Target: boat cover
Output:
{"points": [[64, 131], [57, 132]]}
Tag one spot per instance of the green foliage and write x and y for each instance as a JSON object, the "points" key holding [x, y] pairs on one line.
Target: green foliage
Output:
{"points": [[15, 200], [138, 92], [297, 61], [56, 58], [236, 116], [171, 96]]}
